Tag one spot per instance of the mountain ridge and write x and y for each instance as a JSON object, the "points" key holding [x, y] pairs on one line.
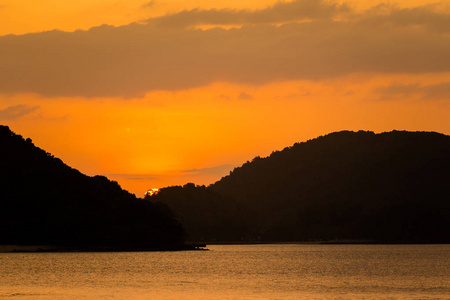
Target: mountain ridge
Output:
{"points": [[387, 187], [45, 202]]}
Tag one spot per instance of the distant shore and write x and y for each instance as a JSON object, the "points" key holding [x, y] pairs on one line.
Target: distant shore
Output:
{"points": [[191, 246], [51, 248], [331, 242]]}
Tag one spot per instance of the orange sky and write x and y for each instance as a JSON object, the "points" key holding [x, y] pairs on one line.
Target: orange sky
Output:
{"points": [[176, 98]]}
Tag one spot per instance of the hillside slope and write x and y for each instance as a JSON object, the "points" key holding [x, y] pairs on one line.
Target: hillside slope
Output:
{"points": [[45, 202], [389, 187]]}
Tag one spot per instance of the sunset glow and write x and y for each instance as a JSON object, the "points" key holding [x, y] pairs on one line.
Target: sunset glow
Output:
{"points": [[170, 92], [151, 192]]}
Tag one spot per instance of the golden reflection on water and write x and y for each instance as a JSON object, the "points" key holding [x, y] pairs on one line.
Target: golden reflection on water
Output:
{"points": [[233, 272]]}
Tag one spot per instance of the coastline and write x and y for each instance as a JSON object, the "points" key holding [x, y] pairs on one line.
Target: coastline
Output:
{"points": [[190, 246], [331, 242], [52, 248]]}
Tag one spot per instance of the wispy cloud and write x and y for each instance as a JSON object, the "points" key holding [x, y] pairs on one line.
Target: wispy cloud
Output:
{"points": [[16, 111], [149, 4], [439, 91], [221, 170], [133, 176], [245, 96]]}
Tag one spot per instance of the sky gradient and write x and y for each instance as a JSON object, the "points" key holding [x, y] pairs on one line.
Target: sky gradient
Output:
{"points": [[158, 93]]}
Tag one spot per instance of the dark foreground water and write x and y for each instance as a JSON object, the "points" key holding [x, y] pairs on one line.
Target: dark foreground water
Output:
{"points": [[233, 272]]}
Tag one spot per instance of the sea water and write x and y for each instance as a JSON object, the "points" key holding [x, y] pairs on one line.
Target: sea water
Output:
{"points": [[233, 272]]}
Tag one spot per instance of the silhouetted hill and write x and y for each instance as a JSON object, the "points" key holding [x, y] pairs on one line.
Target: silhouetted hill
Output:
{"points": [[389, 187], [45, 202]]}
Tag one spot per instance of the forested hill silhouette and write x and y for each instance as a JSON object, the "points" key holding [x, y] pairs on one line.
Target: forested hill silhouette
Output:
{"points": [[388, 187], [45, 202]]}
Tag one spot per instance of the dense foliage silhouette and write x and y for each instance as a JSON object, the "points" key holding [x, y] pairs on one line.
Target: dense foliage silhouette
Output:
{"points": [[389, 187], [45, 202]]}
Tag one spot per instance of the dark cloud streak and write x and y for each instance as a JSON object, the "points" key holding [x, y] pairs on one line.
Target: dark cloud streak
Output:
{"points": [[132, 176], [148, 4], [16, 111], [245, 96], [221, 170], [439, 91]]}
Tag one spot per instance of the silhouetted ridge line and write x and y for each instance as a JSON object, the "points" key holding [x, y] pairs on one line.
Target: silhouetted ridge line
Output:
{"points": [[353, 186], [45, 202]]}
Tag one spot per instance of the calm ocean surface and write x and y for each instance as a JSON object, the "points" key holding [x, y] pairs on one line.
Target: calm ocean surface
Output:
{"points": [[233, 272]]}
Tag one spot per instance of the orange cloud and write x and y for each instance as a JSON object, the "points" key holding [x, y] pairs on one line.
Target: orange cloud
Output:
{"points": [[129, 61], [280, 12], [25, 16]]}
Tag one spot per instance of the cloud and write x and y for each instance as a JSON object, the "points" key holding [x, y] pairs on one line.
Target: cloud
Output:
{"points": [[221, 170], [439, 91], [280, 12], [431, 16], [132, 176], [16, 111], [148, 4], [245, 96], [399, 89], [168, 54]]}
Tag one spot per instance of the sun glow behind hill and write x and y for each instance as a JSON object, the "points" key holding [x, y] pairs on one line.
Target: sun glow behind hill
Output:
{"points": [[151, 192]]}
